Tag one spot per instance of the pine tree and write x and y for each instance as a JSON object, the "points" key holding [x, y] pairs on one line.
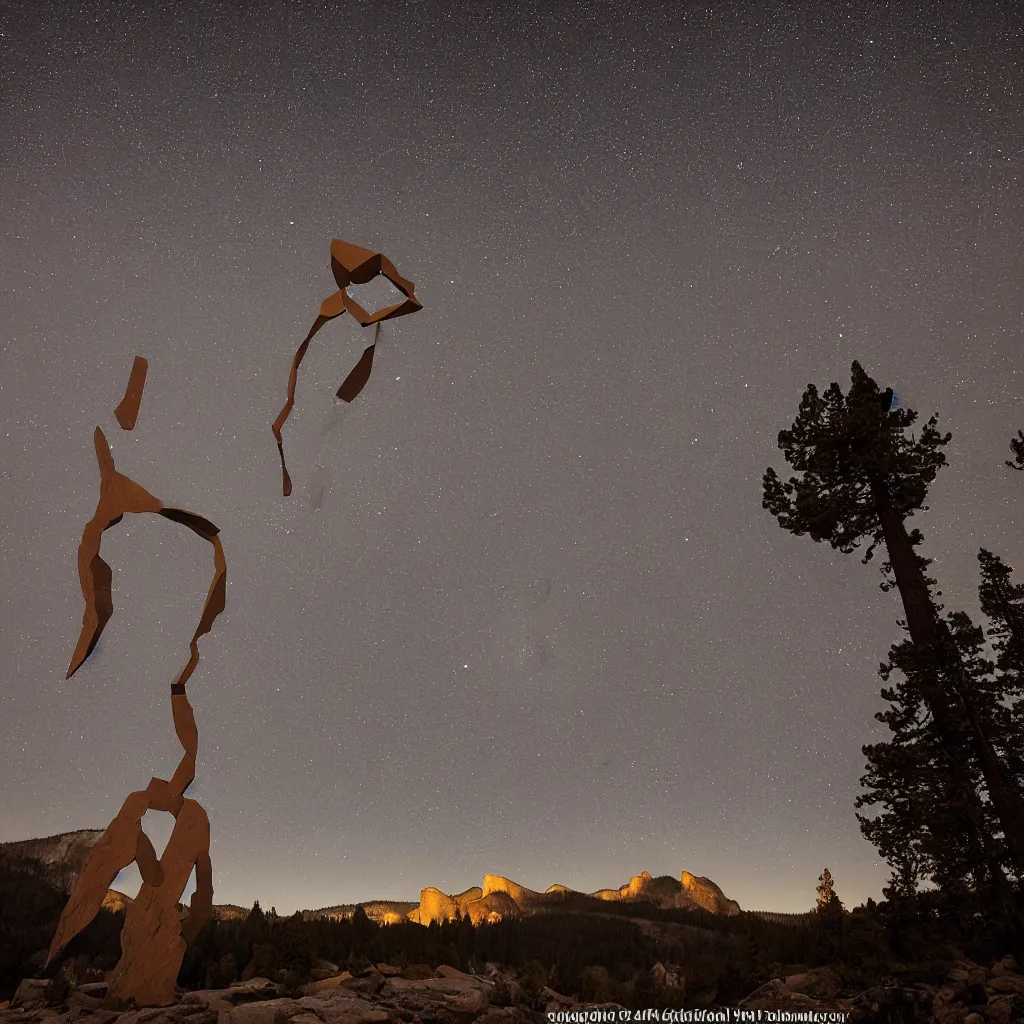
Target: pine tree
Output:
{"points": [[1017, 447], [862, 477], [926, 831], [1003, 603], [828, 902]]}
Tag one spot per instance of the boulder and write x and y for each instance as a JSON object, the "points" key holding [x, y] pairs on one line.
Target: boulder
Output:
{"points": [[444, 971], [775, 995], [337, 1007], [93, 988], [323, 969], [252, 991], [821, 983], [1004, 1010], [1007, 984], [465, 995], [83, 1001], [418, 972], [976, 980], [961, 970], [553, 1001], [172, 1014], [903, 1005], [208, 998], [327, 1013], [265, 1012], [207, 1016], [367, 985], [35, 993], [327, 984], [473, 1002], [943, 1013], [1005, 966], [952, 992]]}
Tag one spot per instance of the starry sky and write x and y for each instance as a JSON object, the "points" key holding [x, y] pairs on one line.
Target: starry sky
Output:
{"points": [[523, 613]]}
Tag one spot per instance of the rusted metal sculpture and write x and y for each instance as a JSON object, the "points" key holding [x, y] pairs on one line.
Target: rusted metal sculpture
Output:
{"points": [[128, 411], [351, 264], [154, 938]]}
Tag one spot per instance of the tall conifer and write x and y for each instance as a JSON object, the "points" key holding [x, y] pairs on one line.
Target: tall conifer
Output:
{"points": [[862, 477]]}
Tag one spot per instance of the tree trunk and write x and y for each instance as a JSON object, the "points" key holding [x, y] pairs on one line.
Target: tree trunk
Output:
{"points": [[944, 666]]}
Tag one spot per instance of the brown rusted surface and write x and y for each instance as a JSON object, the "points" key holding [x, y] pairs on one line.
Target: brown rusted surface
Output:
{"points": [[149, 865], [201, 904], [114, 851], [356, 380], [185, 724], [128, 411], [119, 494], [351, 264], [154, 939]]}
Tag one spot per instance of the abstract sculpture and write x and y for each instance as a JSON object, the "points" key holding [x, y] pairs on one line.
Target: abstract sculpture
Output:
{"points": [[128, 411], [154, 937], [155, 933], [351, 264]]}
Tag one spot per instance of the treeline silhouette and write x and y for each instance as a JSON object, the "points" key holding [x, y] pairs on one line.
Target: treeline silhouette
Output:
{"points": [[595, 950]]}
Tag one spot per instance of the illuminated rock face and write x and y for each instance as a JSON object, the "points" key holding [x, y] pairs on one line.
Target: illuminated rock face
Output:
{"points": [[436, 906], [525, 898], [115, 901], [381, 911], [502, 898], [499, 897], [663, 891], [706, 894], [495, 906], [387, 912], [439, 906], [636, 886]]}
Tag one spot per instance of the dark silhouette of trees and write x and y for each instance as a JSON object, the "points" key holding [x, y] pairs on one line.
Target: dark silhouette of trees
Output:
{"points": [[925, 830], [862, 477], [31, 902], [828, 902], [1003, 603], [1017, 447]]}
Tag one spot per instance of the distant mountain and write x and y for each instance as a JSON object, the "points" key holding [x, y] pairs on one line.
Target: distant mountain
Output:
{"points": [[500, 898], [63, 856], [381, 911]]}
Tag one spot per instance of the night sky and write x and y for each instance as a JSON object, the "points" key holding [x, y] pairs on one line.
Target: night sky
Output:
{"points": [[523, 613]]}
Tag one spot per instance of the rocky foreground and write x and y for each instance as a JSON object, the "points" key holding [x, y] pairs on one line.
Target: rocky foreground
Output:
{"points": [[419, 994], [971, 994], [381, 994]]}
